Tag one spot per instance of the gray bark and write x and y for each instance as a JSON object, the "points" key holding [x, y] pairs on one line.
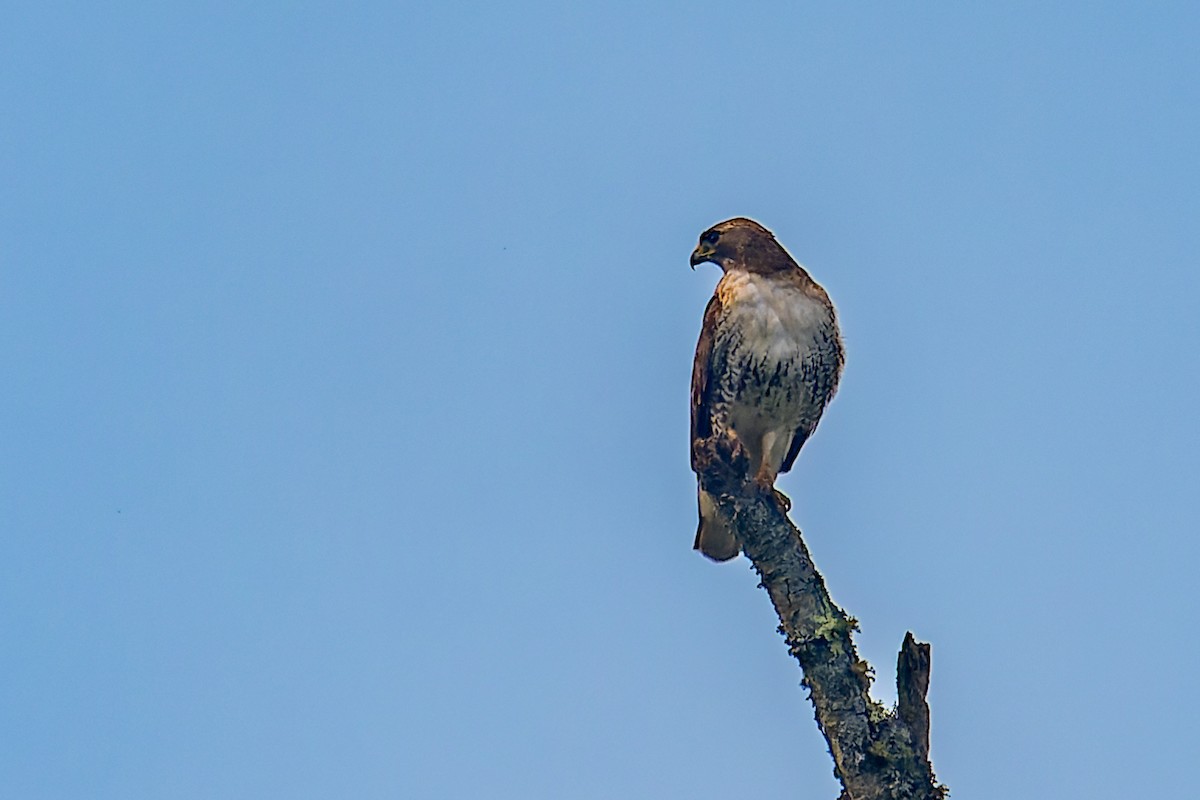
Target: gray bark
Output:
{"points": [[878, 754]]}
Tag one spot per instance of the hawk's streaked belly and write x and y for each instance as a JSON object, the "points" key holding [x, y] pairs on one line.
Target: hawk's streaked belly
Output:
{"points": [[776, 343]]}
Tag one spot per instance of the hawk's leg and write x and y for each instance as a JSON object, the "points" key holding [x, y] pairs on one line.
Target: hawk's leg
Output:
{"points": [[765, 478]]}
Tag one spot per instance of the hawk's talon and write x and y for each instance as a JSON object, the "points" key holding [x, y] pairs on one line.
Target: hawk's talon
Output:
{"points": [[767, 485], [731, 450]]}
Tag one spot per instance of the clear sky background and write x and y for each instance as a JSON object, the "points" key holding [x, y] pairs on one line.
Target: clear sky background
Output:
{"points": [[346, 352]]}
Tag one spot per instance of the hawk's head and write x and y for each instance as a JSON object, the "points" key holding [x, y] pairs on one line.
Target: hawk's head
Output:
{"points": [[741, 242]]}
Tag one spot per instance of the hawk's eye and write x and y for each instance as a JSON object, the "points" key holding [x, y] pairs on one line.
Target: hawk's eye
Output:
{"points": [[710, 237]]}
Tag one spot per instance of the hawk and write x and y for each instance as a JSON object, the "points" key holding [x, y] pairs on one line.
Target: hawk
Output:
{"points": [[767, 363]]}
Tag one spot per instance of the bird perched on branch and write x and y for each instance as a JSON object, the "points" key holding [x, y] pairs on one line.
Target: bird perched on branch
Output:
{"points": [[767, 363]]}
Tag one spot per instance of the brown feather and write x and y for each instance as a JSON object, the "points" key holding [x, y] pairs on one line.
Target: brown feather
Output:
{"points": [[701, 374]]}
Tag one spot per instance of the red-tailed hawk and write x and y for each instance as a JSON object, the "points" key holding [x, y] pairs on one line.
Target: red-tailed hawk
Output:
{"points": [[768, 361]]}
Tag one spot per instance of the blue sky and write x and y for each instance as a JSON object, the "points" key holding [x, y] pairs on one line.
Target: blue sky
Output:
{"points": [[347, 352]]}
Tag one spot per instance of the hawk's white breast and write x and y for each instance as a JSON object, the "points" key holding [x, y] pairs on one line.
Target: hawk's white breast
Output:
{"points": [[777, 318]]}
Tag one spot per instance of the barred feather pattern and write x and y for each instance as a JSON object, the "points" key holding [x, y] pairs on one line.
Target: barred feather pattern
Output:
{"points": [[768, 363], [776, 362]]}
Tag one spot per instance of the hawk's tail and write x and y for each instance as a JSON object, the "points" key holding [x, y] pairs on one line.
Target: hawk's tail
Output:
{"points": [[713, 537]]}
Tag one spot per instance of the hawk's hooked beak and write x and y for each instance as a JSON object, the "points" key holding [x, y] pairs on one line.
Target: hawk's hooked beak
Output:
{"points": [[703, 252]]}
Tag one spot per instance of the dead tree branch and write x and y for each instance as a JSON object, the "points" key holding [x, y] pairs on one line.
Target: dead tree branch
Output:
{"points": [[878, 754]]}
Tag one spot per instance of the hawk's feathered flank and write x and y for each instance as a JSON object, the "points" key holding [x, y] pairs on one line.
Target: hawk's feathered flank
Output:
{"points": [[767, 363]]}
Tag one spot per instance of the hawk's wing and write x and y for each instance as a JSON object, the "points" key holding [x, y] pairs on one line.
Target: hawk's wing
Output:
{"points": [[702, 375], [822, 374], [798, 439]]}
